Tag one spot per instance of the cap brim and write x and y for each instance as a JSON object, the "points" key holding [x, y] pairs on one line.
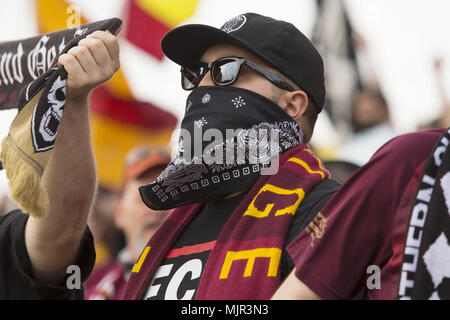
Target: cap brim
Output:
{"points": [[186, 44], [144, 165]]}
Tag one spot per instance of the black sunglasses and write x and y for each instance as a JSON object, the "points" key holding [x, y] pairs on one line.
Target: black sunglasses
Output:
{"points": [[224, 72]]}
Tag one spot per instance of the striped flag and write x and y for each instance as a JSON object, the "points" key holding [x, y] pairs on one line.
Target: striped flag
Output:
{"points": [[333, 38], [53, 15], [118, 125], [156, 17], [118, 121]]}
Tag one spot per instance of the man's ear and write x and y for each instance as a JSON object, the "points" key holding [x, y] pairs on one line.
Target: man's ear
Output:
{"points": [[294, 103]]}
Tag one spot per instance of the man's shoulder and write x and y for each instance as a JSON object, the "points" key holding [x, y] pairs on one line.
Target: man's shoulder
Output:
{"points": [[320, 193], [411, 143], [402, 155], [311, 205], [9, 218], [317, 197]]}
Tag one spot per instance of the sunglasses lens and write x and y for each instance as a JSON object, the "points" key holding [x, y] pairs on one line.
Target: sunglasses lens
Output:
{"points": [[191, 77], [225, 71]]}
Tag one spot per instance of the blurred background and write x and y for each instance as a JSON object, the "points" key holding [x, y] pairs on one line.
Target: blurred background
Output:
{"points": [[387, 71]]}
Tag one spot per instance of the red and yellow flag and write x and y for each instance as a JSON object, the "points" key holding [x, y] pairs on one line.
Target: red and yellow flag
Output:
{"points": [[147, 21], [54, 15], [118, 121], [118, 125]]}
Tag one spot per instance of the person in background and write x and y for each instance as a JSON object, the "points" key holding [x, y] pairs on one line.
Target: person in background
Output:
{"points": [[443, 119], [371, 127], [107, 238], [137, 222], [370, 118], [340, 170]]}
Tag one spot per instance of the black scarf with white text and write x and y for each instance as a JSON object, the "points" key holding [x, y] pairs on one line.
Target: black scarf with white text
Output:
{"points": [[425, 273]]}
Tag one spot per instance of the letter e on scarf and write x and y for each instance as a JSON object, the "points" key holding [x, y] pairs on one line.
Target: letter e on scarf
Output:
{"points": [[274, 255]]}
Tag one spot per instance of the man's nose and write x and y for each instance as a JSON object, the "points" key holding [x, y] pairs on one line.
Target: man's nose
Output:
{"points": [[206, 81]]}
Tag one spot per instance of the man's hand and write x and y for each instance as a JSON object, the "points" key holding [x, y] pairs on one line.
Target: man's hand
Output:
{"points": [[92, 62], [69, 179]]}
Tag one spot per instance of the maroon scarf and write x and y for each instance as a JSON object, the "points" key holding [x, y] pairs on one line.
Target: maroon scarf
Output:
{"points": [[245, 261]]}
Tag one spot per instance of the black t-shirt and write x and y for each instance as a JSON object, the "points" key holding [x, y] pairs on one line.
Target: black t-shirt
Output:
{"points": [[16, 279], [179, 275]]}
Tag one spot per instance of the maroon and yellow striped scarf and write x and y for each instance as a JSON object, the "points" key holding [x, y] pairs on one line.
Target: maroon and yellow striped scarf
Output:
{"points": [[245, 261]]}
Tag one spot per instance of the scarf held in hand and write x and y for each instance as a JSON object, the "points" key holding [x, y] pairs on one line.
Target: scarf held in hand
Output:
{"points": [[32, 81]]}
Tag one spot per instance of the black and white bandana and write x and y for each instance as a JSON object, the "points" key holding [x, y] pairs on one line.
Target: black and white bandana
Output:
{"points": [[228, 137]]}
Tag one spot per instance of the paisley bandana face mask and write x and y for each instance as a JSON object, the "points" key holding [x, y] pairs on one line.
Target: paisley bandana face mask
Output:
{"points": [[229, 137]]}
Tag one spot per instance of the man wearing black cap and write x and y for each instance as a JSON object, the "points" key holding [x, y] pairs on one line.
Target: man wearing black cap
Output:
{"points": [[257, 77], [277, 45]]}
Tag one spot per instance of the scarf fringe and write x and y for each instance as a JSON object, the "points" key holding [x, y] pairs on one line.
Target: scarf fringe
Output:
{"points": [[24, 180]]}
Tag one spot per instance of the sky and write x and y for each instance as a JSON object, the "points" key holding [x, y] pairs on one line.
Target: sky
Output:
{"points": [[403, 37]]}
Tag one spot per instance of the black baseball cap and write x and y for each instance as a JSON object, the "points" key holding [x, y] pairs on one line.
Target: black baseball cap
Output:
{"points": [[277, 42]]}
